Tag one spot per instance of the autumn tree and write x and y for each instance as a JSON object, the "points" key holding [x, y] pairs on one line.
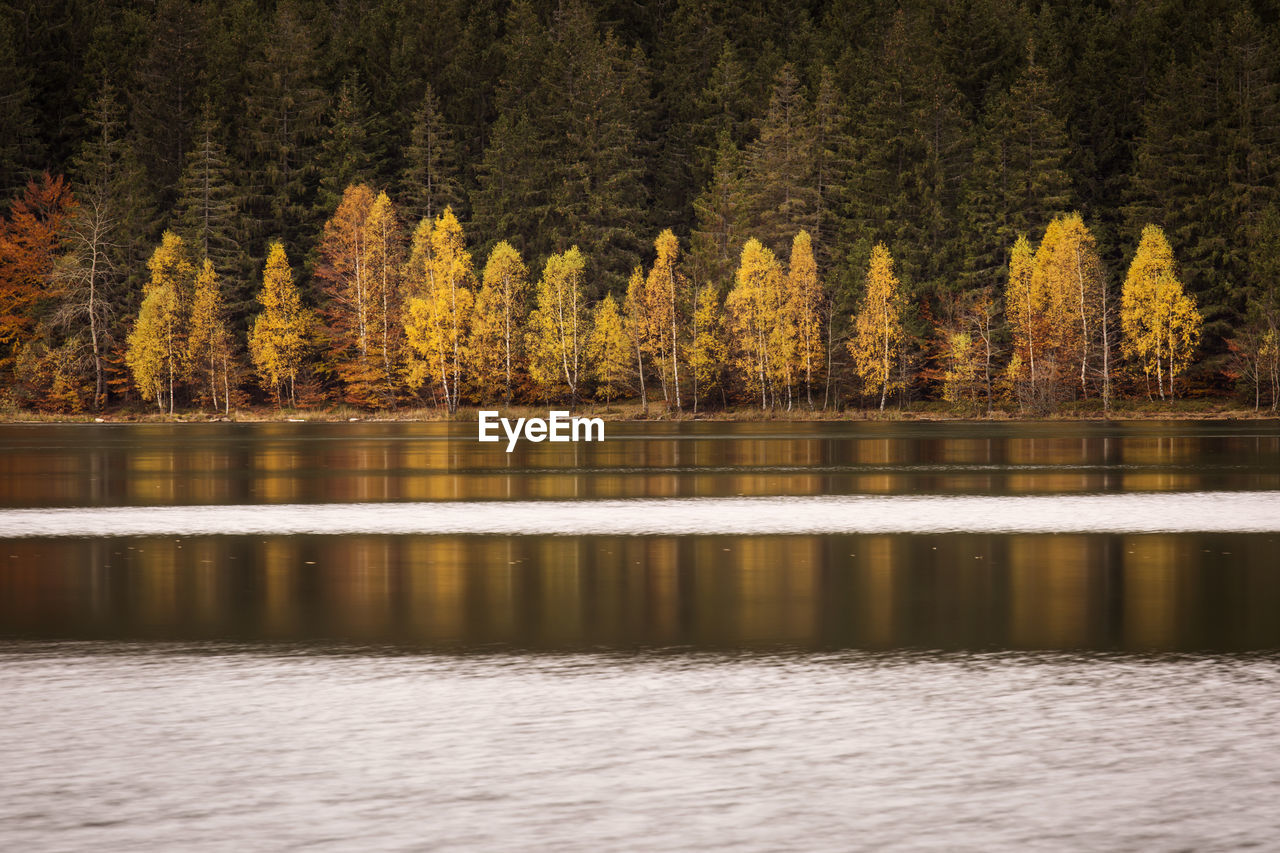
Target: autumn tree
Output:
{"points": [[501, 308], [1160, 321], [636, 314], [804, 305], [609, 350], [440, 286], [29, 239], [350, 306], [1068, 271], [707, 349], [665, 294], [754, 313], [277, 341], [878, 329], [209, 347], [383, 252], [558, 325], [157, 344]]}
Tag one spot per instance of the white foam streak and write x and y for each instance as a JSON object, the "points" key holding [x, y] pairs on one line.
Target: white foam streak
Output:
{"points": [[1234, 512]]}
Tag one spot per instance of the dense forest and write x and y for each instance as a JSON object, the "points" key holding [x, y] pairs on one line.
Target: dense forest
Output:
{"points": [[693, 203]]}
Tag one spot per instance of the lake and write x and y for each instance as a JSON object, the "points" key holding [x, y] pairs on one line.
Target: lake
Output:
{"points": [[767, 636]]}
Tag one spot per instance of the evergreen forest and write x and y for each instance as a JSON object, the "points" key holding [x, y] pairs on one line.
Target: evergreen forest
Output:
{"points": [[690, 204]]}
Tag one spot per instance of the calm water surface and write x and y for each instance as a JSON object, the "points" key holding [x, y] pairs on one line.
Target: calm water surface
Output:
{"points": [[663, 684]]}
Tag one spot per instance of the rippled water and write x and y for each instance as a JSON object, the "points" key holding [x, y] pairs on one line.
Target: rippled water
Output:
{"points": [[216, 749], [749, 636]]}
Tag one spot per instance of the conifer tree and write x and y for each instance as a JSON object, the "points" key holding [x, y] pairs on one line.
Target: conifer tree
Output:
{"points": [[431, 178], [343, 158], [781, 185], [879, 333], [720, 213], [1160, 321], [209, 212], [277, 341]]}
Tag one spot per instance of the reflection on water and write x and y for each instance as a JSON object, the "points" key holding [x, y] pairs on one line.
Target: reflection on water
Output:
{"points": [[117, 465], [955, 591]]}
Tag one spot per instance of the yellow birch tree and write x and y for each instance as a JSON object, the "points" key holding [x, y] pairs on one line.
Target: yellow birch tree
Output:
{"points": [[707, 349], [878, 331], [558, 325], [500, 312], [157, 343], [438, 314], [636, 314], [665, 295], [383, 256], [1160, 322]]}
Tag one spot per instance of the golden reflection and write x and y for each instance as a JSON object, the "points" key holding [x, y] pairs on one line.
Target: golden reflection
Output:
{"points": [[1153, 567], [1049, 591]]}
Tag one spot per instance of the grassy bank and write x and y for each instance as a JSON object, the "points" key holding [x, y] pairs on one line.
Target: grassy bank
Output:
{"points": [[1192, 409]]}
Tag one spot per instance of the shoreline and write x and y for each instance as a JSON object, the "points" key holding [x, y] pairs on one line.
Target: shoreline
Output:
{"points": [[1181, 410]]}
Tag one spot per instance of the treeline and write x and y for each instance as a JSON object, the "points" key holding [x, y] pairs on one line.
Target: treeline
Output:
{"points": [[942, 130]]}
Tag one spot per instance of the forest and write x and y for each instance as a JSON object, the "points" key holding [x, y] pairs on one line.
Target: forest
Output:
{"points": [[692, 204]]}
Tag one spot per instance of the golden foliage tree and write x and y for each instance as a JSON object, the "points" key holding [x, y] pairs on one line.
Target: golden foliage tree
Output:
{"points": [[208, 340], [754, 310], [804, 305], [609, 349], [383, 260], [500, 312], [558, 325], [277, 341], [878, 331], [349, 306], [1027, 310], [636, 314], [707, 350], [438, 309], [156, 345], [665, 295], [1068, 273], [1159, 319]]}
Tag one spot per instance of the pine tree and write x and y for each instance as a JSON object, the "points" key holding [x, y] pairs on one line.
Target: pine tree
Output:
{"points": [[431, 178], [343, 158], [21, 145], [284, 106], [879, 332], [277, 341], [209, 213], [781, 186], [721, 219], [1019, 179]]}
